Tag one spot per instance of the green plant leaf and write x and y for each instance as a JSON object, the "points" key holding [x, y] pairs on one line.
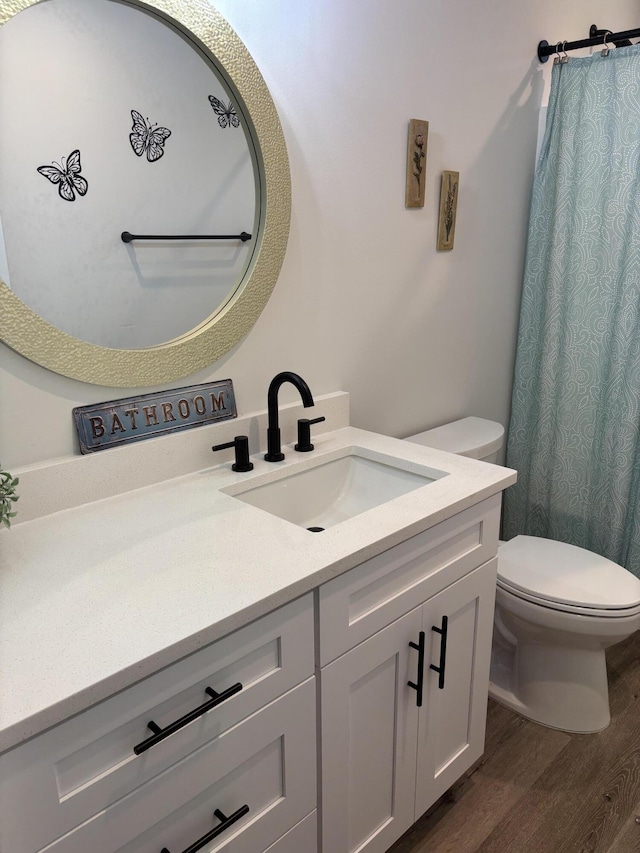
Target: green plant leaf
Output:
{"points": [[8, 497]]}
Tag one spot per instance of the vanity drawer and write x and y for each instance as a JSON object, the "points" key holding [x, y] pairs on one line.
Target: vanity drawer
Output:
{"points": [[55, 781], [303, 838], [260, 776], [357, 604]]}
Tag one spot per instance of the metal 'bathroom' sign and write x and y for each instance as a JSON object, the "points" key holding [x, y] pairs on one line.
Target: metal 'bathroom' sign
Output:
{"points": [[137, 418]]}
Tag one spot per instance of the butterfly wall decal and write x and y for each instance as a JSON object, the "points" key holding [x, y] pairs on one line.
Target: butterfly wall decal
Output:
{"points": [[147, 138], [67, 176], [227, 116]]}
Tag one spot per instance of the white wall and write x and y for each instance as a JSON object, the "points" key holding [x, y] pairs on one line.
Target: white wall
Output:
{"points": [[364, 302]]}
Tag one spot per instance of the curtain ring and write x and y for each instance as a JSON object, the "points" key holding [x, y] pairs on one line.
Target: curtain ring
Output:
{"points": [[556, 61], [605, 50], [565, 57]]}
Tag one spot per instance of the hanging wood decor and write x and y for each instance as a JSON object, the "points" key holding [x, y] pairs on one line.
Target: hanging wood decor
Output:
{"points": [[448, 209], [416, 162]]}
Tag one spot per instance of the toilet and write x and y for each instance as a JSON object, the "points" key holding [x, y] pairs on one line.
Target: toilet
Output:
{"points": [[558, 608]]}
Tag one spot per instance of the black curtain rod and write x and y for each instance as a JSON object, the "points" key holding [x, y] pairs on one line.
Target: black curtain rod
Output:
{"points": [[596, 37]]}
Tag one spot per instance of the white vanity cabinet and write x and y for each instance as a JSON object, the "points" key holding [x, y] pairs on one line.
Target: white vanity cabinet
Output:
{"points": [[246, 765], [241, 777], [387, 752], [265, 662]]}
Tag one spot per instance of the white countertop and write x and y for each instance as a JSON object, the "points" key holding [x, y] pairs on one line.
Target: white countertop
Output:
{"points": [[95, 597]]}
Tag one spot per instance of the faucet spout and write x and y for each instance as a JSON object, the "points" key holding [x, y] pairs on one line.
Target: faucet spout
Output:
{"points": [[274, 450]]}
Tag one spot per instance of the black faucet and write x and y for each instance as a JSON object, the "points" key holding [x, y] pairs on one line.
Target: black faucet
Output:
{"points": [[274, 452]]}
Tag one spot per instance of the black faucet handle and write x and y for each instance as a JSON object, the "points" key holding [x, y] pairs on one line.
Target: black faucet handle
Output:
{"points": [[241, 446], [304, 434]]}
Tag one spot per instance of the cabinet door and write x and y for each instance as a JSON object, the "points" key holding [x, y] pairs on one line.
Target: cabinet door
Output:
{"points": [[452, 722], [369, 720]]}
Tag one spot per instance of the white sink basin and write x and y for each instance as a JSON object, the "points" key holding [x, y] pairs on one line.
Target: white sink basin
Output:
{"points": [[335, 490]]}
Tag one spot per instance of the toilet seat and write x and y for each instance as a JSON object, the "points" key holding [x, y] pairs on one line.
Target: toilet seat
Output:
{"points": [[611, 613], [564, 577]]}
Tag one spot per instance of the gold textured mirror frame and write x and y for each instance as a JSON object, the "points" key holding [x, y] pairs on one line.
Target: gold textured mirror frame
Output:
{"points": [[31, 336]]}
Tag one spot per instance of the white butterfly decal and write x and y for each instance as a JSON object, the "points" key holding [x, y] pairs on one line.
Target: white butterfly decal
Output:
{"points": [[147, 138], [227, 116], [67, 176]]}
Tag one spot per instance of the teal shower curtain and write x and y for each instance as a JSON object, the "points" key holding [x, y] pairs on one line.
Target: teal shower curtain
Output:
{"points": [[574, 435]]}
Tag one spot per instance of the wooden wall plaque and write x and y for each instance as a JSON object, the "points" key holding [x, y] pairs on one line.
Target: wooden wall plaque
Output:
{"points": [[416, 162]]}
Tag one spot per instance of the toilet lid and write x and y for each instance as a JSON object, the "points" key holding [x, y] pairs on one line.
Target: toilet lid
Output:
{"points": [[473, 437], [560, 573]]}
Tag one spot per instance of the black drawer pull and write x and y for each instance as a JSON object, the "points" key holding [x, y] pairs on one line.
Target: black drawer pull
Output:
{"points": [[443, 651], [216, 831], [160, 734], [418, 687]]}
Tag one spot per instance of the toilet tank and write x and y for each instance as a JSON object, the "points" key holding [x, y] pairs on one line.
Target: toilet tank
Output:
{"points": [[474, 437]]}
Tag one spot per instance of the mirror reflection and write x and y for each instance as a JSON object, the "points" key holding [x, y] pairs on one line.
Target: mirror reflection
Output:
{"points": [[118, 123]]}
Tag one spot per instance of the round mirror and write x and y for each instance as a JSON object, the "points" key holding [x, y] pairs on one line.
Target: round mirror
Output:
{"points": [[144, 187]]}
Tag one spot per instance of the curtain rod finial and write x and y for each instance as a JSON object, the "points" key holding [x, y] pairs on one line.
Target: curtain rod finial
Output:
{"points": [[543, 57]]}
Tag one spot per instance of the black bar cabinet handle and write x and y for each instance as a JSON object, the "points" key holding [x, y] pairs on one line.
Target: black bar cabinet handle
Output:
{"points": [[418, 687], [216, 831], [443, 651], [127, 237], [160, 733]]}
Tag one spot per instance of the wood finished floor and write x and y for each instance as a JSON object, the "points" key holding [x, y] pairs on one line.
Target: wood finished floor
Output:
{"points": [[537, 790]]}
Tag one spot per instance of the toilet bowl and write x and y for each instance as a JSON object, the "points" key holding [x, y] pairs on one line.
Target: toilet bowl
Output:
{"points": [[558, 608]]}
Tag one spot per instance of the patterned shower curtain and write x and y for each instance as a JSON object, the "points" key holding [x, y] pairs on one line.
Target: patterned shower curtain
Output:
{"points": [[574, 435]]}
